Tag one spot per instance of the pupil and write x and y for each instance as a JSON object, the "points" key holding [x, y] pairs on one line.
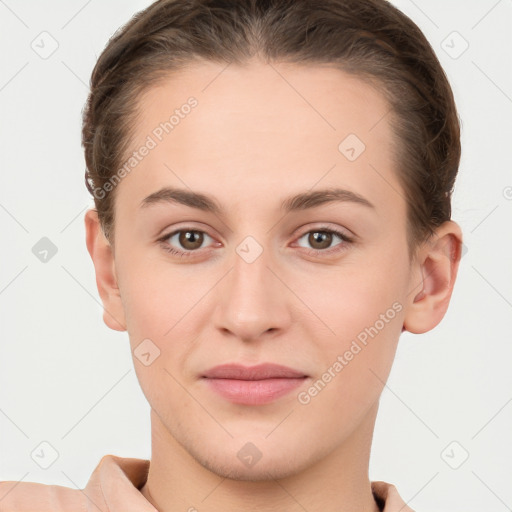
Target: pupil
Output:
{"points": [[187, 237], [323, 238]]}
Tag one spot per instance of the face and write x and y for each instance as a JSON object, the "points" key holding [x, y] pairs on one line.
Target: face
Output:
{"points": [[268, 267]]}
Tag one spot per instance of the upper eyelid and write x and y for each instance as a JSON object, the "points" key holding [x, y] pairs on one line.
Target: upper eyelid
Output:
{"points": [[165, 237], [323, 227], [336, 231]]}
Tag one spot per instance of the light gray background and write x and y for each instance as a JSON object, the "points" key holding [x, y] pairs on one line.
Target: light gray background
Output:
{"points": [[66, 379]]}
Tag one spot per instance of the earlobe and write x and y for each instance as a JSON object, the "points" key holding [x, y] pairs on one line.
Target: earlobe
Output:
{"points": [[438, 263], [106, 279]]}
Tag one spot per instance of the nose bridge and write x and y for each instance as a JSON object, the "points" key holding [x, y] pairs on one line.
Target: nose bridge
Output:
{"points": [[250, 302], [250, 269]]}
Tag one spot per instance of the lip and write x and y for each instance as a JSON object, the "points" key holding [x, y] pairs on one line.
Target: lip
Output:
{"points": [[258, 372], [253, 385]]}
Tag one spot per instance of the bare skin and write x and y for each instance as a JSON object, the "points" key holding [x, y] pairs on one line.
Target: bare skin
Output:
{"points": [[251, 142]]}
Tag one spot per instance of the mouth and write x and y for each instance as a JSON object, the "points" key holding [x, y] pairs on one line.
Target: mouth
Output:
{"points": [[254, 385]]}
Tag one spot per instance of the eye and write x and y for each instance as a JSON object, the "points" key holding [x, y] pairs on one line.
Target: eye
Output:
{"points": [[186, 240], [321, 240]]}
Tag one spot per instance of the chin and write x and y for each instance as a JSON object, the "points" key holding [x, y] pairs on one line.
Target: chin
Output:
{"points": [[260, 472], [240, 459]]}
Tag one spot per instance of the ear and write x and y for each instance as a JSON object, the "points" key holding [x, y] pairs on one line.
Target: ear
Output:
{"points": [[106, 280], [434, 273]]}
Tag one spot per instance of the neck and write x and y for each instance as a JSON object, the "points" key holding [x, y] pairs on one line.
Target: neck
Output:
{"points": [[338, 482]]}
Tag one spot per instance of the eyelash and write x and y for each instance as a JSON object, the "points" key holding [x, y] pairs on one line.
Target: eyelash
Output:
{"points": [[312, 252]]}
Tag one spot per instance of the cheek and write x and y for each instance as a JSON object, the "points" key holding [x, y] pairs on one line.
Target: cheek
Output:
{"points": [[356, 360], [155, 294], [148, 313], [158, 317], [354, 296], [362, 306], [165, 305]]}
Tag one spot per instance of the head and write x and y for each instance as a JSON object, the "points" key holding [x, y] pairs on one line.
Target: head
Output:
{"points": [[272, 183]]}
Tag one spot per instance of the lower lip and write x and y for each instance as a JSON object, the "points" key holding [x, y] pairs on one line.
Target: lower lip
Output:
{"points": [[254, 392]]}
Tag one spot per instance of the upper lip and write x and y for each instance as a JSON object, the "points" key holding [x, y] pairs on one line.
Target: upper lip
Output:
{"points": [[258, 372]]}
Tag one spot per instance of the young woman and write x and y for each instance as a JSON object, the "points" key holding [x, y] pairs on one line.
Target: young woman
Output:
{"points": [[272, 183]]}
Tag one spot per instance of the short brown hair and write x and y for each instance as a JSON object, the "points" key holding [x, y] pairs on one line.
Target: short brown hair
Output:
{"points": [[370, 39]]}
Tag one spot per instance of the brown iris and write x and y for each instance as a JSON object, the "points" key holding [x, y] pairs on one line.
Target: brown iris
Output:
{"points": [[323, 237], [191, 240]]}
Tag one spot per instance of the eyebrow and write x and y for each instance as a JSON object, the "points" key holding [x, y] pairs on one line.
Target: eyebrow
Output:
{"points": [[302, 201]]}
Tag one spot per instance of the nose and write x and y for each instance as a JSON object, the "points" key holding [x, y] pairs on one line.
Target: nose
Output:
{"points": [[252, 302]]}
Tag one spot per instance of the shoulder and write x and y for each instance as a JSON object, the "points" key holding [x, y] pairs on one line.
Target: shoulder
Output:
{"points": [[388, 498], [36, 497], [32, 497], [112, 477]]}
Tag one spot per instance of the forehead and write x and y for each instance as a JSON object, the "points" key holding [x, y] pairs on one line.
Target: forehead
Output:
{"points": [[306, 102], [261, 124]]}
